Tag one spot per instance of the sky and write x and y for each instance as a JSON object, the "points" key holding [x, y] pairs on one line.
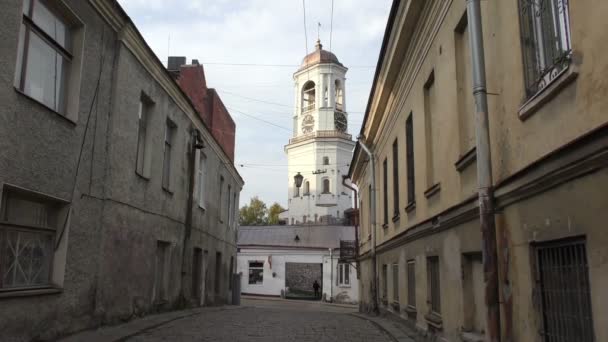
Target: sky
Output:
{"points": [[260, 99]]}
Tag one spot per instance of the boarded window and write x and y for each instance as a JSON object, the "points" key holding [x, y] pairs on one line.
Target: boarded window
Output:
{"points": [[395, 282], [161, 281], [434, 288], [562, 276], [411, 283]]}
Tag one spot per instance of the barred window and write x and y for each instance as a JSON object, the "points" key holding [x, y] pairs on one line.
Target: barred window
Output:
{"points": [[545, 39]]}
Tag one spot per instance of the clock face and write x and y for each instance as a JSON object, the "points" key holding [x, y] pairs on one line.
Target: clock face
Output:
{"points": [[340, 122], [308, 122]]}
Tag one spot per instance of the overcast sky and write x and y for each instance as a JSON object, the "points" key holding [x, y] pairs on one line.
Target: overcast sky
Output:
{"points": [[219, 32]]}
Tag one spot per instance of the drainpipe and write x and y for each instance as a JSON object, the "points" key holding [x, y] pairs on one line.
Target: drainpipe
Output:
{"points": [[331, 275], [484, 172], [374, 288], [196, 144], [344, 178]]}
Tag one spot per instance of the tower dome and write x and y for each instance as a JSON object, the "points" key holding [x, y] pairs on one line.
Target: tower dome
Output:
{"points": [[319, 56]]}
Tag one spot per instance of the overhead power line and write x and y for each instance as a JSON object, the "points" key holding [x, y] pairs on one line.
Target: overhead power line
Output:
{"points": [[253, 99], [256, 118]]}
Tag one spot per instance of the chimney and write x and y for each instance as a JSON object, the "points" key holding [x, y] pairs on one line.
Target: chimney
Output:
{"points": [[195, 62], [175, 62]]}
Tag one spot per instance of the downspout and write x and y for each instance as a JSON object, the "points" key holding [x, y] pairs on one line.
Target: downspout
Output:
{"points": [[484, 172], [344, 178], [331, 275], [374, 288], [196, 143]]}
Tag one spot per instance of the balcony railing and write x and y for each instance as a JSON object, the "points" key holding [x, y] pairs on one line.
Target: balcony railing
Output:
{"points": [[308, 108], [321, 134]]}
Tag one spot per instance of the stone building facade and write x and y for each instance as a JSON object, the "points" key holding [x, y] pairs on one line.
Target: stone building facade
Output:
{"points": [[117, 200], [548, 125]]}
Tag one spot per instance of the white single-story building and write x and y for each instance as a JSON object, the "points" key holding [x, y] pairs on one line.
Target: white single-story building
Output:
{"points": [[286, 260]]}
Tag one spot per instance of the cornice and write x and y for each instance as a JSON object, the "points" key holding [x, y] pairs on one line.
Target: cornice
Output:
{"points": [[130, 37]]}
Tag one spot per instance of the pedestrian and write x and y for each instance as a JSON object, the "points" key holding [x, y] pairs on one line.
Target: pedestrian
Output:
{"points": [[316, 286]]}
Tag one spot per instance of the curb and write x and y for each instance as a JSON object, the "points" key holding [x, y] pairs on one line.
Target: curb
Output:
{"points": [[395, 334]]}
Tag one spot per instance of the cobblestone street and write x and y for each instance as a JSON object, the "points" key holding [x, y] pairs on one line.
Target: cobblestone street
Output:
{"points": [[269, 320]]}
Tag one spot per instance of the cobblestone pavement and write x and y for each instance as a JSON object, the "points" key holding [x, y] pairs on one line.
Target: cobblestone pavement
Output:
{"points": [[269, 320]]}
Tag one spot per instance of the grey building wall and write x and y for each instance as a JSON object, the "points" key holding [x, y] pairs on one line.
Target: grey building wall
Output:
{"points": [[117, 216]]}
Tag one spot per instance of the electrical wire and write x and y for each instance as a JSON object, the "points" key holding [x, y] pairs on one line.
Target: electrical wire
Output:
{"points": [[253, 99], [262, 120]]}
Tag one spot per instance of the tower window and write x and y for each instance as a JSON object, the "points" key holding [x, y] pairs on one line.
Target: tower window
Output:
{"points": [[308, 96], [326, 186], [325, 160], [339, 95], [306, 188]]}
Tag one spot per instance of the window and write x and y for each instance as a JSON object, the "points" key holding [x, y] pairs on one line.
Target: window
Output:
{"points": [[220, 202], [229, 198], [384, 282], [308, 96], [142, 166], [28, 226], [430, 103], [296, 190], [235, 205], [434, 289], [256, 272], [409, 147], [545, 40], [45, 55], [161, 281], [326, 186], [411, 283], [395, 179], [325, 160], [202, 177], [306, 188], [339, 96], [474, 309], [169, 140], [385, 191], [369, 209], [395, 282], [197, 265], [218, 272], [464, 83], [343, 274], [565, 309]]}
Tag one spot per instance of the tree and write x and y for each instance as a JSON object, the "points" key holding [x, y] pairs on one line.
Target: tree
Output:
{"points": [[254, 214], [273, 213]]}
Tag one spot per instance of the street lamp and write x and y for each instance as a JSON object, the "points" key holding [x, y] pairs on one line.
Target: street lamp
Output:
{"points": [[298, 179]]}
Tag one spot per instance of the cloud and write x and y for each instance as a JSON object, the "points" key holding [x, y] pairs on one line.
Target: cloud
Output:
{"points": [[265, 32]]}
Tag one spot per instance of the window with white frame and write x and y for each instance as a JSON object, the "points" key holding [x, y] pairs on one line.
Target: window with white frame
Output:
{"points": [[143, 138], [545, 39], [343, 274], [229, 199], [29, 223], [202, 176], [256, 272], [45, 55]]}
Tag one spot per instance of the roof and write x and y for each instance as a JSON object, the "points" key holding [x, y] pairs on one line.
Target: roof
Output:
{"points": [[285, 236], [319, 56]]}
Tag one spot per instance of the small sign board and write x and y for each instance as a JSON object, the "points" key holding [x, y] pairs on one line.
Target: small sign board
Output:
{"points": [[348, 251]]}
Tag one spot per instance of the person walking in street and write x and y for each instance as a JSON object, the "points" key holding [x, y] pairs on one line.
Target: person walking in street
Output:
{"points": [[316, 287]]}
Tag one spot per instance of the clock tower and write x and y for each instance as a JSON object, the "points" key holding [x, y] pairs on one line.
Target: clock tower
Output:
{"points": [[320, 149]]}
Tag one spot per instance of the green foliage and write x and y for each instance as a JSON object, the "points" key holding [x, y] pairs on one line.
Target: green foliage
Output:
{"points": [[254, 214], [273, 213]]}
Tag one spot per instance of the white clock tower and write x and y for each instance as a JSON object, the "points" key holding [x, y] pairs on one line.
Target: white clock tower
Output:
{"points": [[321, 148]]}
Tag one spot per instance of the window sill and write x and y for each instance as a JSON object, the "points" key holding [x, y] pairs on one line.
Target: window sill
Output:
{"points": [[384, 226], [434, 320], [142, 176], [68, 119], [30, 292], [533, 104], [434, 189], [410, 311], [395, 218], [410, 207], [395, 306], [202, 207], [466, 159]]}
